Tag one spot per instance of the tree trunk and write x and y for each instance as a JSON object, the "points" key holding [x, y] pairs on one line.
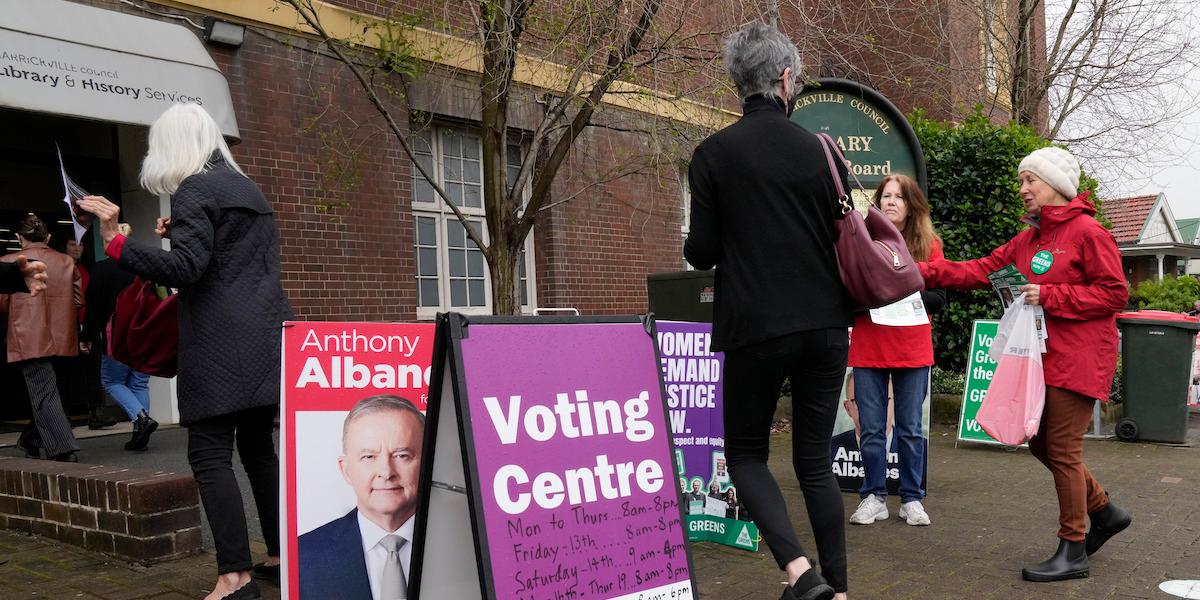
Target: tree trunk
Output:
{"points": [[1024, 76], [503, 269], [499, 58]]}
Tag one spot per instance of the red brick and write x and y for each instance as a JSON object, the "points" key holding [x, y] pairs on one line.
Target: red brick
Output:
{"points": [[112, 522], [98, 541], [56, 512], [71, 535], [18, 524], [164, 522], [162, 493], [29, 508], [45, 529], [83, 517], [145, 549], [188, 541]]}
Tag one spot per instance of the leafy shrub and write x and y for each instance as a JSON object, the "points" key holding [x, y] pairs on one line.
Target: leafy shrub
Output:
{"points": [[1173, 294], [973, 195], [1116, 394], [948, 382]]}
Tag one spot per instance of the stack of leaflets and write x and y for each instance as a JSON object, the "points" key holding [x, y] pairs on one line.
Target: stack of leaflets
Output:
{"points": [[1007, 282]]}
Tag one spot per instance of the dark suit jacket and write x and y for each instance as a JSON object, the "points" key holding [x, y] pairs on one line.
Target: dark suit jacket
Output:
{"points": [[332, 566]]}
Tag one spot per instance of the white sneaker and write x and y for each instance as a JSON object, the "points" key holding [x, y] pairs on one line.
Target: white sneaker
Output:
{"points": [[913, 513], [872, 508]]}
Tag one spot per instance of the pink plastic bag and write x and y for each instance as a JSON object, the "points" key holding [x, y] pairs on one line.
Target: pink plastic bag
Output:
{"points": [[1012, 408]]}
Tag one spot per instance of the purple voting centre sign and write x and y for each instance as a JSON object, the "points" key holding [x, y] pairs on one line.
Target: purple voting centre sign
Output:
{"points": [[568, 454]]}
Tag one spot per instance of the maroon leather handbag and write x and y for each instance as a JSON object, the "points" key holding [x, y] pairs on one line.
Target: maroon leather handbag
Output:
{"points": [[143, 332], [873, 260]]}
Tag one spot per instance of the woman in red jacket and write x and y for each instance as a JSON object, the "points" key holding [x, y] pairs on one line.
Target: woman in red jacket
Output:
{"points": [[1074, 272], [900, 355]]}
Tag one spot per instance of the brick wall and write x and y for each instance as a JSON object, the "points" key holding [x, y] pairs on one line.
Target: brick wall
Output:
{"points": [[137, 514], [347, 241]]}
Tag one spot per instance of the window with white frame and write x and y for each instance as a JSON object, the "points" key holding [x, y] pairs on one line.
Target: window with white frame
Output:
{"points": [[451, 271]]}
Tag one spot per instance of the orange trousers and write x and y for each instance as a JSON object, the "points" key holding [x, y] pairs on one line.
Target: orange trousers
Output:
{"points": [[1059, 445]]}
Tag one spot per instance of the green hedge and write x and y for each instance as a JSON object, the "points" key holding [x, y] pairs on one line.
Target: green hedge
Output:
{"points": [[973, 194], [1173, 294]]}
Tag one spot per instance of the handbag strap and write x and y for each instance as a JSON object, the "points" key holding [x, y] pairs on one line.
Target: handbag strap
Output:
{"points": [[843, 198]]}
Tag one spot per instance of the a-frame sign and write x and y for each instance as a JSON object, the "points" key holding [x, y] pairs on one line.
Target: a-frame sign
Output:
{"points": [[548, 468]]}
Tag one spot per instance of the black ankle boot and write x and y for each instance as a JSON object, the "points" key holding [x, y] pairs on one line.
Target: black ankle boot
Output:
{"points": [[810, 586], [143, 426], [98, 419], [1106, 522], [1069, 562]]}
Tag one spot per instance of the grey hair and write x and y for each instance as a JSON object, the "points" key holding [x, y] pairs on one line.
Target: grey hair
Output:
{"points": [[182, 140], [374, 404], [756, 56]]}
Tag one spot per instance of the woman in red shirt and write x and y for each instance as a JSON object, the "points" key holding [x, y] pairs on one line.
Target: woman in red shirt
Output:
{"points": [[901, 355]]}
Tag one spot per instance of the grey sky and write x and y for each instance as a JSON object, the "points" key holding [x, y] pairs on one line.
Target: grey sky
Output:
{"points": [[1173, 165]]}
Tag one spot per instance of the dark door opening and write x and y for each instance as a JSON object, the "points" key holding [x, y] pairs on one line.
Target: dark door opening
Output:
{"points": [[31, 181]]}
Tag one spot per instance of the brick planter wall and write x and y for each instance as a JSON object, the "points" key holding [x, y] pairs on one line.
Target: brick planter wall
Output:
{"points": [[137, 514]]}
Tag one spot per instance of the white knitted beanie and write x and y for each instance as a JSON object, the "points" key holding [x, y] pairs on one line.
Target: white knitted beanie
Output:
{"points": [[1056, 167]]}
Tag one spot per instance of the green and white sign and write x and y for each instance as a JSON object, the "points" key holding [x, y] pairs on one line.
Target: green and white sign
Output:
{"points": [[1041, 262], [869, 129], [980, 368], [731, 532]]}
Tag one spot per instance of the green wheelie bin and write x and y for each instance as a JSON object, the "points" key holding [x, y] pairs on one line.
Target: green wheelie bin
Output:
{"points": [[1156, 350]]}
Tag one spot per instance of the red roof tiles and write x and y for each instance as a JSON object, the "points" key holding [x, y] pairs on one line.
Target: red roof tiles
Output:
{"points": [[1128, 215]]}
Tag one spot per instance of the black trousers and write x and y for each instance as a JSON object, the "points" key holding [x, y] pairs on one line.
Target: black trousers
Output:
{"points": [[210, 453], [816, 363], [49, 426]]}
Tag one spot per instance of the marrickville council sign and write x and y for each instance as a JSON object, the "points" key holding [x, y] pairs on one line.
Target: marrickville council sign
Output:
{"points": [[871, 132]]}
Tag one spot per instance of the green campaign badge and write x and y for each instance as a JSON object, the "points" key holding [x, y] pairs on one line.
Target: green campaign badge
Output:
{"points": [[1041, 262]]}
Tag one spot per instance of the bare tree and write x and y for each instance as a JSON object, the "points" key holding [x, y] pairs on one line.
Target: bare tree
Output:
{"points": [[1110, 78], [1102, 76], [644, 51]]}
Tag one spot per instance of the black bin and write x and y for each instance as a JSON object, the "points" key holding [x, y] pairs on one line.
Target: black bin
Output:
{"points": [[681, 296], [1156, 357]]}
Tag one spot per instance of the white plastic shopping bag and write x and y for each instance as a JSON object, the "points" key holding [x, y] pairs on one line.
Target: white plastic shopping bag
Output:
{"points": [[1012, 408]]}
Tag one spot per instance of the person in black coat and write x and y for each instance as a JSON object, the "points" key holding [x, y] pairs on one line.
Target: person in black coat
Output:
{"points": [[764, 212], [224, 259]]}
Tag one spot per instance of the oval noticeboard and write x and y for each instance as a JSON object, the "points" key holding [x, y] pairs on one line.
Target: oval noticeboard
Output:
{"points": [[870, 130]]}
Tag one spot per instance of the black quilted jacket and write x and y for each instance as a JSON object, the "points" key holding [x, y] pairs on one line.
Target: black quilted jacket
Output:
{"points": [[224, 259]]}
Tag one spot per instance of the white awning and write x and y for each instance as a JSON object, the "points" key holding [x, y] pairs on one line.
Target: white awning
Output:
{"points": [[65, 58]]}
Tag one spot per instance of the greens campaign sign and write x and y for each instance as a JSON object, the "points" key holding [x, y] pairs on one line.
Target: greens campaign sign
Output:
{"points": [[980, 369], [692, 379]]}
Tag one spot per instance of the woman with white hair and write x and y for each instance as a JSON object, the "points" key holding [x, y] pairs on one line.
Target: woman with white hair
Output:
{"points": [[764, 213], [1074, 273], [224, 258]]}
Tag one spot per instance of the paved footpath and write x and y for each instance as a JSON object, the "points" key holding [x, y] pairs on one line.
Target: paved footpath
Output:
{"points": [[993, 511]]}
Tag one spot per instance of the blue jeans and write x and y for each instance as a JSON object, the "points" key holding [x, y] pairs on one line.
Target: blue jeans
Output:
{"points": [[909, 387], [130, 388]]}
